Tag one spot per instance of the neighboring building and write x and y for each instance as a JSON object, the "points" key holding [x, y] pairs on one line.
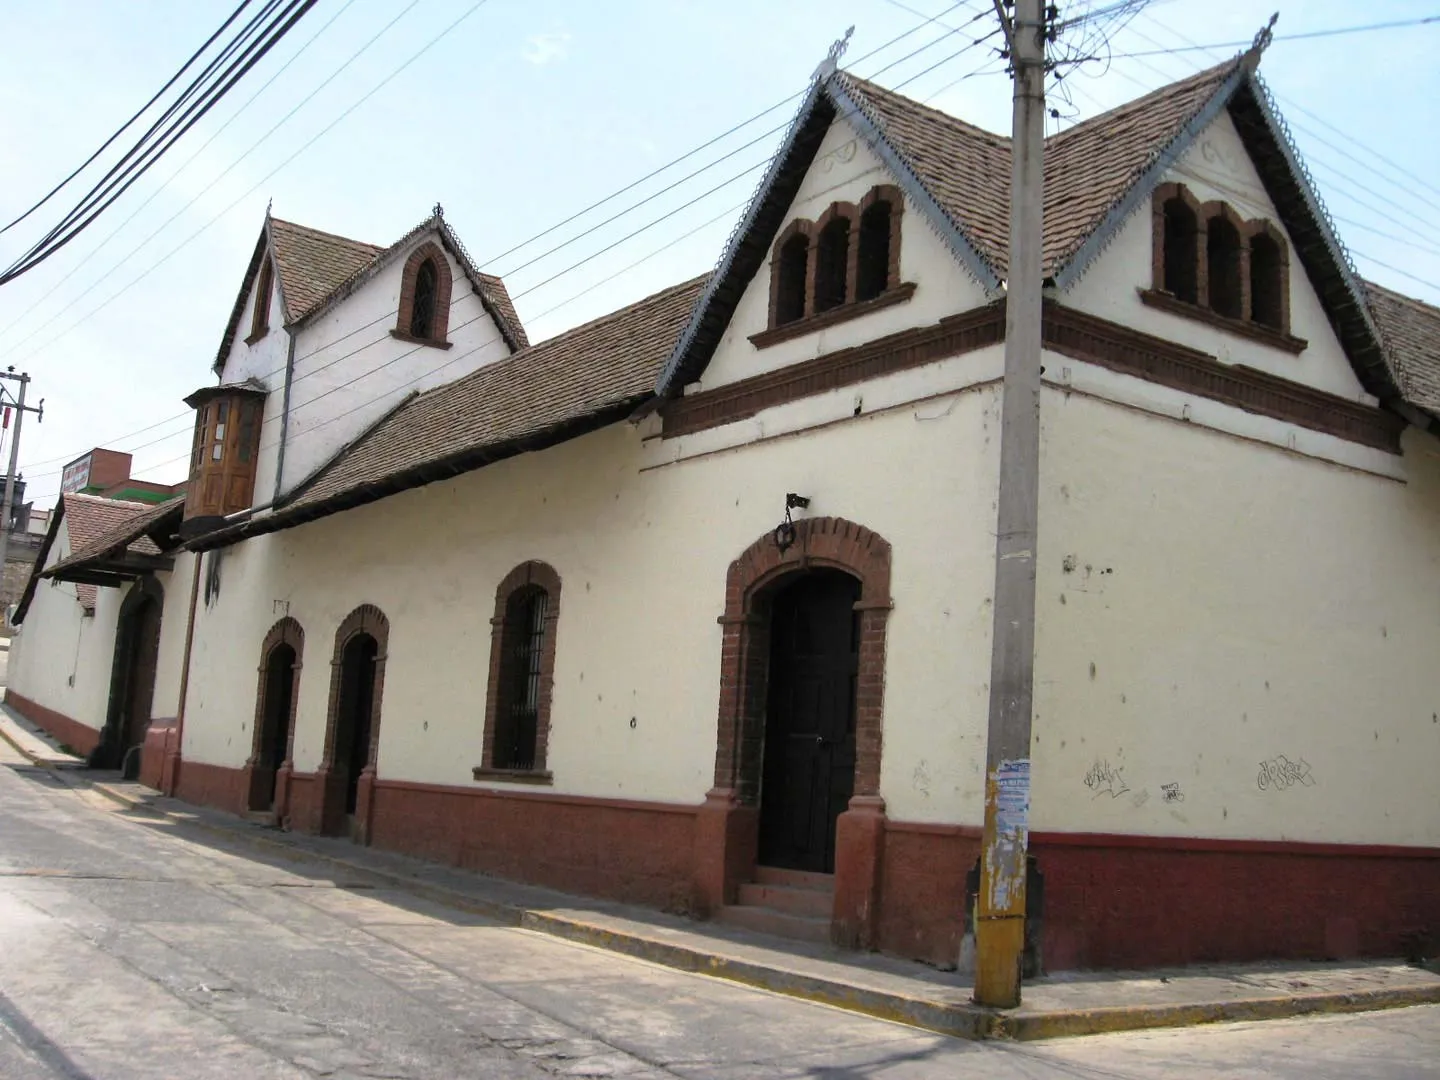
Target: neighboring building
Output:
{"points": [[107, 473], [618, 657]]}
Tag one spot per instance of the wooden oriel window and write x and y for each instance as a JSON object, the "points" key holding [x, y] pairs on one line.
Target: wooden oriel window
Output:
{"points": [[260, 314], [223, 455], [522, 671]]}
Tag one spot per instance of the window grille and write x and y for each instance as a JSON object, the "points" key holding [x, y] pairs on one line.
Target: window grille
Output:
{"points": [[522, 652], [422, 311]]}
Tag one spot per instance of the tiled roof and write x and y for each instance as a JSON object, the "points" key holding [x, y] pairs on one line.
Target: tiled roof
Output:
{"points": [[105, 524], [1410, 330], [312, 264], [592, 374], [1088, 168]]}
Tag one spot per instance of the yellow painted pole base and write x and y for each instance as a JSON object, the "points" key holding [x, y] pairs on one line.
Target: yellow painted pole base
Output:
{"points": [[999, 946]]}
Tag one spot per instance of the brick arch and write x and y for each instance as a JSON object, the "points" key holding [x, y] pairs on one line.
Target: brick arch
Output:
{"points": [[443, 285], [891, 196], [822, 542], [527, 574], [365, 619], [836, 211], [286, 631], [797, 227], [1163, 194], [1264, 227]]}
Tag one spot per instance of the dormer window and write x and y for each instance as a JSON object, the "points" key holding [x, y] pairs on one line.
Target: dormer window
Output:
{"points": [[840, 266], [424, 313], [260, 314], [1209, 263]]}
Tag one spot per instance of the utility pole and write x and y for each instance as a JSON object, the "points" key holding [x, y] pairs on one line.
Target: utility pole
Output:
{"points": [[20, 410], [1000, 907]]}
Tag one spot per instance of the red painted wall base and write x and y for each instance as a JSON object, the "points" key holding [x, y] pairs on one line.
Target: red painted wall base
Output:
{"points": [[1110, 901], [77, 736]]}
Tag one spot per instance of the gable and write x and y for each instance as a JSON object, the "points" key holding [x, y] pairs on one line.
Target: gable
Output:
{"points": [[845, 170], [1217, 168]]}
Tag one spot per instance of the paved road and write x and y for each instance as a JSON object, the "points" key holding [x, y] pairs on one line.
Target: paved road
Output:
{"points": [[130, 950]]}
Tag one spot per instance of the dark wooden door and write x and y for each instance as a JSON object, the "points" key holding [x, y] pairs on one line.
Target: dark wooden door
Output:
{"points": [[809, 763], [144, 653], [275, 733], [357, 697]]}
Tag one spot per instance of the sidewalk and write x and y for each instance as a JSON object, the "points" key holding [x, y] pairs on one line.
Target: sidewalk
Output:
{"points": [[1071, 1003]]}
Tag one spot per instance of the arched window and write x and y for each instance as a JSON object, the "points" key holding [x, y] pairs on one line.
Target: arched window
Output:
{"points": [[425, 284], [1267, 281], [832, 251], [264, 284], [1222, 254], [422, 313], [1181, 255], [522, 667], [790, 279], [872, 268]]}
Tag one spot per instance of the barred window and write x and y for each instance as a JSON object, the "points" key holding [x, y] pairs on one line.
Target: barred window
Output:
{"points": [[522, 651], [422, 314]]}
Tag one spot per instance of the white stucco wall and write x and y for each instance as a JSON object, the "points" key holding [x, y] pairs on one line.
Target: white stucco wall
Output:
{"points": [[176, 583], [349, 371], [1207, 605], [1216, 167], [845, 169], [643, 558], [61, 658]]}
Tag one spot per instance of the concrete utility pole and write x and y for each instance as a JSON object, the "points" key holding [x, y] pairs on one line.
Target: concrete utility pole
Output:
{"points": [[1000, 907], [20, 410]]}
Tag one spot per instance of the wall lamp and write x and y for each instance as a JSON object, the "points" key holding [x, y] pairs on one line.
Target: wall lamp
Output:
{"points": [[785, 531]]}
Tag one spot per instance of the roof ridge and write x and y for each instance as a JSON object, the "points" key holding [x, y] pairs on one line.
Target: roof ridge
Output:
{"points": [[85, 497], [1403, 297], [324, 232]]}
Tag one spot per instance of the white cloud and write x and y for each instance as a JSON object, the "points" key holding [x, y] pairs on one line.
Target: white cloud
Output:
{"points": [[542, 49]]}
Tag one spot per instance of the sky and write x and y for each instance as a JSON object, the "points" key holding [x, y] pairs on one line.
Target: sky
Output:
{"points": [[516, 115]]}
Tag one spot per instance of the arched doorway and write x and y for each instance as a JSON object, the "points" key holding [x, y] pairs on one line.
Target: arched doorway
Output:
{"points": [[275, 700], [357, 679], [808, 758], [132, 678], [802, 661]]}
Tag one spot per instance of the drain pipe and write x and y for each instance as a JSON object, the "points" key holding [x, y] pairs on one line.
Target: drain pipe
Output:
{"points": [[170, 772]]}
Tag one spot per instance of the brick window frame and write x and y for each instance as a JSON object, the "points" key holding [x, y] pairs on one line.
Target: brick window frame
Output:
{"points": [[1157, 296], [895, 291], [750, 585], [444, 284], [260, 308], [531, 574], [286, 631], [365, 619], [892, 196]]}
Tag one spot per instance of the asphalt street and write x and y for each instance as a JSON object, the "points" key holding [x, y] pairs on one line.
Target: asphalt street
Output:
{"points": [[132, 948]]}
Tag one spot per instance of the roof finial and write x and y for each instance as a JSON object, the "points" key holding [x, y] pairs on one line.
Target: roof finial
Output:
{"points": [[269, 203], [1265, 34], [439, 210], [832, 58]]}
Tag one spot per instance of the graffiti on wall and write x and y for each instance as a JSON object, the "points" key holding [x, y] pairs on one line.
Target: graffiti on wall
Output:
{"points": [[1102, 778], [1281, 774]]}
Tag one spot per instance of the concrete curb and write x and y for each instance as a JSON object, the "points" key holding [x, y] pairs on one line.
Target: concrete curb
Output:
{"points": [[958, 1020]]}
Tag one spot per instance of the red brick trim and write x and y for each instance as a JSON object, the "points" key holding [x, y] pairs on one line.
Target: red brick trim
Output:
{"points": [[1239, 327], [798, 227], [812, 323], [286, 631], [1163, 194], [443, 284], [1261, 227], [837, 211], [213, 785], [951, 336], [365, 619], [1158, 360], [1305, 848], [523, 576], [744, 653], [81, 738], [891, 195]]}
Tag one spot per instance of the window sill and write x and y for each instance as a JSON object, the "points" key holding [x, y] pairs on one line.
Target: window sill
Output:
{"points": [[514, 776], [1277, 339], [400, 335], [844, 313]]}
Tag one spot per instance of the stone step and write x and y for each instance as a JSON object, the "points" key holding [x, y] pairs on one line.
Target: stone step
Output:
{"points": [[814, 903], [795, 879], [768, 921]]}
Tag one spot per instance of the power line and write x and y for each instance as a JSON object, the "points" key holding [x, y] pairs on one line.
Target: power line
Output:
{"points": [[54, 241], [83, 260], [520, 295], [125, 126], [1282, 37]]}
